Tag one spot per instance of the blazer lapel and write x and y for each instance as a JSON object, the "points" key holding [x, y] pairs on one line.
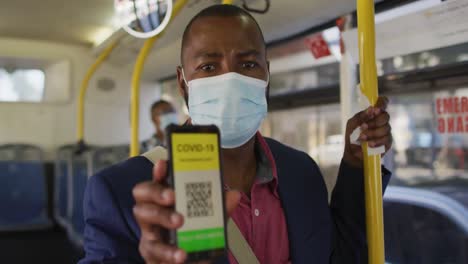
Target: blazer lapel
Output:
{"points": [[304, 199]]}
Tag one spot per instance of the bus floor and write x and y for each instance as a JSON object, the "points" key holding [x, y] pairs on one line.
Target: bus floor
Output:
{"points": [[48, 246]]}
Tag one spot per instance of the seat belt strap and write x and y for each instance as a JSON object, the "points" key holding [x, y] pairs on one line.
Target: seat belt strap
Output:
{"points": [[239, 247], [155, 154]]}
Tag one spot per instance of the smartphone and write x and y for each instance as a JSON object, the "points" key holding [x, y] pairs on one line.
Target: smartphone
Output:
{"points": [[195, 173]]}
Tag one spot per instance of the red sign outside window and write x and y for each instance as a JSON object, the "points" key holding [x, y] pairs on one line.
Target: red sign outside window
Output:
{"points": [[318, 46]]}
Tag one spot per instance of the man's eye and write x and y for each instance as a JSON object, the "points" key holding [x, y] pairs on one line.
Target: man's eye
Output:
{"points": [[249, 65], [208, 67]]}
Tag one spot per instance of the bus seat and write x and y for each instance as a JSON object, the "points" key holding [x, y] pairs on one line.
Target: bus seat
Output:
{"points": [[23, 189], [108, 156], [81, 169], [62, 190]]}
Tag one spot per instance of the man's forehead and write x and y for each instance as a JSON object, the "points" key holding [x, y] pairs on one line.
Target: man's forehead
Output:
{"points": [[240, 32]]}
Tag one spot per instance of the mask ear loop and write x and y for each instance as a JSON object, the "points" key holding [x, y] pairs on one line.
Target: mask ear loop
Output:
{"points": [[183, 77], [268, 79]]}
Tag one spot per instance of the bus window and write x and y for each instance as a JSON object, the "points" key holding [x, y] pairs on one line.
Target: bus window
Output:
{"points": [[425, 59], [21, 85], [311, 78], [315, 130], [431, 147]]}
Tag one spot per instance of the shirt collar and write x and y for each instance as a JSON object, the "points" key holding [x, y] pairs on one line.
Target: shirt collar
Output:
{"points": [[262, 146], [266, 153]]}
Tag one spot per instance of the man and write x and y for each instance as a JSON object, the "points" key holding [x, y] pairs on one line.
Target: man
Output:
{"points": [[277, 196], [162, 115]]}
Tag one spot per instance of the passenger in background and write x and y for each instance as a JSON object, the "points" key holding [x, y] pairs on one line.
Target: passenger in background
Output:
{"points": [[162, 115]]}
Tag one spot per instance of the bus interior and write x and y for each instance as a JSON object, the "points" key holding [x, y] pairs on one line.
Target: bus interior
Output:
{"points": [[48, 47]]}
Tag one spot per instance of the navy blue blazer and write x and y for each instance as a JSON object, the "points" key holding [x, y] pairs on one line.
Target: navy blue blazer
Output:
{"points": [[318, 232]]}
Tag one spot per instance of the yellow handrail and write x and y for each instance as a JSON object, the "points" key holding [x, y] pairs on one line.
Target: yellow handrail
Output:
{"points": [[135, 93], [84, 87], [372, 164], [227, 2]]}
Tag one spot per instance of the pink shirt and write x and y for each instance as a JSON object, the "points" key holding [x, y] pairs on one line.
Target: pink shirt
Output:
{"points": [[261, 218]]}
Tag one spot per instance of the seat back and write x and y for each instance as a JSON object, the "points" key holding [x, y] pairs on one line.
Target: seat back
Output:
{"points": [[82, 167], [63, 186], [23, 188], [104, 157], [81, 170]]}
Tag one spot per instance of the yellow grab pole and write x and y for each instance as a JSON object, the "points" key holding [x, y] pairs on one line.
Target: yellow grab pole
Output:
{"points": [[135, 93], [84, 87], [228, 2], [372, 168]]}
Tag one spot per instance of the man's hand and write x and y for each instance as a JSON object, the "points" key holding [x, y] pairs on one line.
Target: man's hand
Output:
{"points": [[153, 212], [376, 130]]}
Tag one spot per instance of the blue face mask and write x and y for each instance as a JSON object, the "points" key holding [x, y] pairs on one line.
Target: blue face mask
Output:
{"points": [[235, 103], [167, 119]]}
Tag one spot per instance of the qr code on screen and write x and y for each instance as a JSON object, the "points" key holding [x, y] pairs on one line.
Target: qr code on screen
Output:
{"points": [[199, 199]]}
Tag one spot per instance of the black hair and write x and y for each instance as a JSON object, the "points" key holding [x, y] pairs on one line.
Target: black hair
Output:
{"points": [[221, 10], [158, 104]]}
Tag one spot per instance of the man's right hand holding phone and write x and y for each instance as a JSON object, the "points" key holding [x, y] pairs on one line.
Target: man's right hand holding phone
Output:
{"points": [[154, 212]]}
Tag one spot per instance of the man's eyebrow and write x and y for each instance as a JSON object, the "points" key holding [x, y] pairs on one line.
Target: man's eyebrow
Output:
{"points": [[248, 53]]}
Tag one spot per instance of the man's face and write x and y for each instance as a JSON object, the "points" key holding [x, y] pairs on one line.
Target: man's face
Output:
{"points": [[218, 45], [158, 111]]}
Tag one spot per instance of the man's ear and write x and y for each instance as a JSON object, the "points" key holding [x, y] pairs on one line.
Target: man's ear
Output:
{"points": [[182, 87]]}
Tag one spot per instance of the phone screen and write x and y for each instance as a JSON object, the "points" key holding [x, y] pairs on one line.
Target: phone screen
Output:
{"points": [[196, 178]]}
